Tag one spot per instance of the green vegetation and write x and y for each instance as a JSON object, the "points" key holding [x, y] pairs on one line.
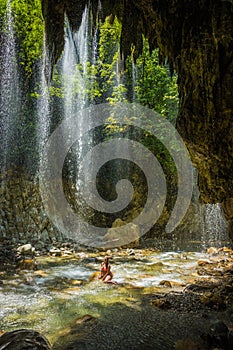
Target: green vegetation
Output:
{"points": [[108, 59], [154, 87], [3, 5], [105, 80], [29, 29]]}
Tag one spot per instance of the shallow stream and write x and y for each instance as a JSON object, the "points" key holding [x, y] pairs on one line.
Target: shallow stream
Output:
{"points": [[63, 289]]}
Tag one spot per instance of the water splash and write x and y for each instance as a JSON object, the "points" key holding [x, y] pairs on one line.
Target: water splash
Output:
{"points": [[214, 226]]}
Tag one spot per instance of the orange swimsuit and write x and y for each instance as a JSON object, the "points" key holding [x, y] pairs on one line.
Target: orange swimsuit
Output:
{"points": [[104, 269]]}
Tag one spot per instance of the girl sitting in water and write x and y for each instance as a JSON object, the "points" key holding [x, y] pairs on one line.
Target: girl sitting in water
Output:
{"points": [[105, 273]]}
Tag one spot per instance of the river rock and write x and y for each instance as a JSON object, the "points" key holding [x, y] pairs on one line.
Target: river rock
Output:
{"points": [[165, 283], [213, 300], [55, 252], [212, 251], [24, 339], [161, 303], [27, 264], [26, 249], [66, 252]]}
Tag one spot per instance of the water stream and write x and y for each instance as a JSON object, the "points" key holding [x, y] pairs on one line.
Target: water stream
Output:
{"points": [[49, 299]]}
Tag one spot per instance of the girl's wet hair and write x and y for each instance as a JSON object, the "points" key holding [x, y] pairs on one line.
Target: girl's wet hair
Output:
{"points": [[106, 259]]}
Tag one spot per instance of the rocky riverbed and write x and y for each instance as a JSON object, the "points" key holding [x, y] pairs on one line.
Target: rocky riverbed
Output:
{"points": [[162, 300]]}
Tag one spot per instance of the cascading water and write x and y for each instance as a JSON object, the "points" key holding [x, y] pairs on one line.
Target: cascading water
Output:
{"points": [[74, 70], [79, 57], [214, 226], [134, 80], [9, 87], [43, 108]]}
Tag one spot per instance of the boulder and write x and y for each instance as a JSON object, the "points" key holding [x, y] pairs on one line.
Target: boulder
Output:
{"points": [[122, 234], [24, 339], [26, 249]]}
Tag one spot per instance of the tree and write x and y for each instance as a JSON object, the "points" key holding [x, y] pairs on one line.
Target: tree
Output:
{"points": [[155, 88]]}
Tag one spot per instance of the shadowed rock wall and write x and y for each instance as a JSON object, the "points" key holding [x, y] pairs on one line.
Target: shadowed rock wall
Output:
{"points": [[22, 217]]}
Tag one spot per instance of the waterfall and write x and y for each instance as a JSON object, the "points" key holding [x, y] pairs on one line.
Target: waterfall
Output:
{"points": [[74, 66], [74, 71], [43, 110], [10, 90], [214, 226], [134, 80]]}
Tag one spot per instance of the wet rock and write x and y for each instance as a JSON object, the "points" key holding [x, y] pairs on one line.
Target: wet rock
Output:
{"points": [[28, 280], [40, 273], [193, 287], [24, 339], [27, 264], [186, 344], [213, 300], [11, 283], [94, 276], [82, 255], [130, 252], [67, 252], [202, 262], [76, 282], [165, 284], [157, 264], [55, 252], [161, 303], [84, 320], [76, 333], [212, 251], [26, 250]]}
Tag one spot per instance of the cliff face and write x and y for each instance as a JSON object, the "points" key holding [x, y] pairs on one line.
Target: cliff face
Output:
{"points": [[196, 37]]}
